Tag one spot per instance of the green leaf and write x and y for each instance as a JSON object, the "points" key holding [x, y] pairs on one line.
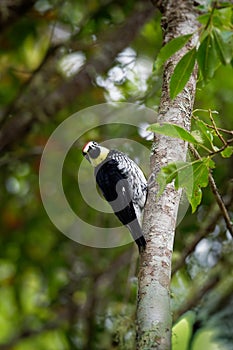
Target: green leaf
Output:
{"points": [[169, 173], [173, 130], [207, 57], [169, 49], [220, 18], [195, 198], [191, 176], [223, 17], [203, 19], [222, 48], [204, 130], [227, 152], [182, 72], [206, 133]]}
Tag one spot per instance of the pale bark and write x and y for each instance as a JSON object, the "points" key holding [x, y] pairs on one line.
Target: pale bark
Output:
{"points": [[154, 319]]}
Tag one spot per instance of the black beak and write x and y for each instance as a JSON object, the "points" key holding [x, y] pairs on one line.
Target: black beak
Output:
{"points": [[86, 156]]}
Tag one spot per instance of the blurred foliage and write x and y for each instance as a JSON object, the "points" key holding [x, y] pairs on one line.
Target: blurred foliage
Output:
{"points": [[54, 292]]}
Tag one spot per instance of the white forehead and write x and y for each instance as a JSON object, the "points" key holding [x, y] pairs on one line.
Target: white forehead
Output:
{"points": [[89, 145]]}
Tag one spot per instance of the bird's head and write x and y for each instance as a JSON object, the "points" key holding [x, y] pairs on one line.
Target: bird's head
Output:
{"points": [[95, 153]]}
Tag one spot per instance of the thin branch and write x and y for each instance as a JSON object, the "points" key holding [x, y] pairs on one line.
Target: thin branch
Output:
{"points": [[217, 195], [208, 227], [221, 204], [227, 143], [230, 132], [216, 129]]}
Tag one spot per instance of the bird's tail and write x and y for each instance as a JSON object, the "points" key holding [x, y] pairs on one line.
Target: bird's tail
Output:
{"points": [[141, 242], [137, 234]]}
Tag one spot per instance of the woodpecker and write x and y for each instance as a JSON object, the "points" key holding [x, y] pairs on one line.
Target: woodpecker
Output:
{"points": [[122, 184]]}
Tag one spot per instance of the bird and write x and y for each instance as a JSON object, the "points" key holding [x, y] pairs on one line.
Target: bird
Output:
{"points": [[123, 185]]}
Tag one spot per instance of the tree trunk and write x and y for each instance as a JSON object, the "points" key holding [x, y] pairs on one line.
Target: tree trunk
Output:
{"points": [[154, 320]]}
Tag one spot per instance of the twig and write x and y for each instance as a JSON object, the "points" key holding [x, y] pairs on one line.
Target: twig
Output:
{"points": [[207, 228], [230, 132], [211, 15], [216, 129], [217, 195], [221, 204], [228, 142]]}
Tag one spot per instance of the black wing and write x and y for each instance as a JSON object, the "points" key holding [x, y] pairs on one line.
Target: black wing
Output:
{"points": [[115, 188]]}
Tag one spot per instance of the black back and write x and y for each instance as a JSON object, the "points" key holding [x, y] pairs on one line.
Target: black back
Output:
{"points": [[115, 188]]}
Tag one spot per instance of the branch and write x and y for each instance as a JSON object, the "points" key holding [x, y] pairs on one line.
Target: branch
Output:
{"points": [[227, 143], [221, 204], [69, 91], [207, 228], [216, 129], [217, 195]]}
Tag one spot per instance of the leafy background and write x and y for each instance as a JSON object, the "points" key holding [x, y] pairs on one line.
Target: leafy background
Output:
{"points": [[55, 293]]}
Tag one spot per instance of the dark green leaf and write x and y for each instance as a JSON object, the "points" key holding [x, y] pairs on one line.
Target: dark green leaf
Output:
{"points": [[173, 130], [182, 73], [169, 49], [207, 57], [222, 48]]}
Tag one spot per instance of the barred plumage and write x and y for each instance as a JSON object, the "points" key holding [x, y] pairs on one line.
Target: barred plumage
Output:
{"points": [[123, 185]]}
